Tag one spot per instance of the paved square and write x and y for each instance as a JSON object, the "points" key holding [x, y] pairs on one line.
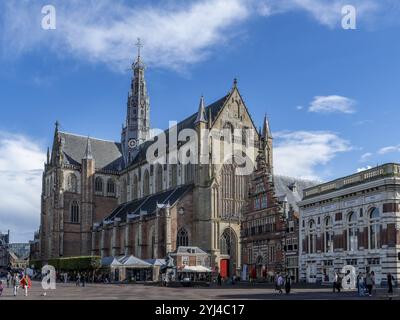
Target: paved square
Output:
{"points": [[149, 292]]}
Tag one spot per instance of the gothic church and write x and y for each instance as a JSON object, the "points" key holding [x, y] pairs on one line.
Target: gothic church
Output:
{"points": [[105, 198]]}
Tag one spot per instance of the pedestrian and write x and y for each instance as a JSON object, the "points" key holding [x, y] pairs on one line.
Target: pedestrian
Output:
{"points": [[373, 281], [15, 284], [288, 284], [219, 279], [335, 281], [1, 288], [26, 284], [390, 280], [360, 284], [78, 279], [369, 283], [8, 279], [83, 279], [280, 284]]}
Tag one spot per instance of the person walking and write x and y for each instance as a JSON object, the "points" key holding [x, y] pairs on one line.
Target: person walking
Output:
{"points": [[8, 279], [280, 284], [1, 288], [78, 280], [83, 279], [335, 281], [219, 279], [15, 283], [26, 284], [390, 280], [360, 279], [373, 281], [288, 284], [369, 283]]}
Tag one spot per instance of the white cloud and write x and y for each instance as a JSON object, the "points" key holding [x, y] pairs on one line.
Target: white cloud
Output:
{"points": [[176, 33], [106, 31], [299, 153], [21, 166], [332, 104], [299, 108], [389, 149], [366, 156], [364, 168]]}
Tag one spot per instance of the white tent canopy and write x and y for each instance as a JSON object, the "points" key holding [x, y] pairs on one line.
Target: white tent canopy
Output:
{"points": [[133, 262], [197, 269]]}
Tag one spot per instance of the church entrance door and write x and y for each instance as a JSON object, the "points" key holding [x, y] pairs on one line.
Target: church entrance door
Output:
{"points": [[224, 267]]}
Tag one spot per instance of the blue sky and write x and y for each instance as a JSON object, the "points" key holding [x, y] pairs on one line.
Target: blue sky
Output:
{"points": [[331, 94]]}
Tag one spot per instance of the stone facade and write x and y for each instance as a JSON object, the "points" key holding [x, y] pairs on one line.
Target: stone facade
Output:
{"points": [[352, 221]]}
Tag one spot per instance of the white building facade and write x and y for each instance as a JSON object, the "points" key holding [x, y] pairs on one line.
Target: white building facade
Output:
{"points": [[355, 221]]}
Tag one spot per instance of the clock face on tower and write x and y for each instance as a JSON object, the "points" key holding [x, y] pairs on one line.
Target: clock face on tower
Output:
{"points": [[132, 144]]}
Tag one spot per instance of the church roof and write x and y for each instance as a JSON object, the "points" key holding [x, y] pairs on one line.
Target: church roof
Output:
{"points": [[188, 123], [148, 205], [107, 154], [284, 188]]}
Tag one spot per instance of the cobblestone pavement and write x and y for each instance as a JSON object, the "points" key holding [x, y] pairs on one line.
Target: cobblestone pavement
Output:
{"points": [[146, 292]]}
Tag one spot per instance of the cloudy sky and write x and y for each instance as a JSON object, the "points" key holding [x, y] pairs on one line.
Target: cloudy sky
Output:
{"points": [[331, 94]]}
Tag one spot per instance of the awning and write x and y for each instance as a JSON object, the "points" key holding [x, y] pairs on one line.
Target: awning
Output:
{"points": [[133, 262], [195, 269]]}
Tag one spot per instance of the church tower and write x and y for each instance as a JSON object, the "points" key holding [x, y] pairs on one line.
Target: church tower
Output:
{"points": [[137, 126]]}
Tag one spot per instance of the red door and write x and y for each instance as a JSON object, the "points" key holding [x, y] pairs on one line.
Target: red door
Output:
{"points": [[224, 267]]}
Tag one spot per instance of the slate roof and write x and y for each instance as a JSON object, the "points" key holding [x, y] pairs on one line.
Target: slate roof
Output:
{"points": [[107, 154], [188, 123], [149, 203], [282, 189]]}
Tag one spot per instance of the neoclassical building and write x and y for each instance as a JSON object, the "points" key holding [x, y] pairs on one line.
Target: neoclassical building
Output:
{"points": [[138, 197], [355, 221]]}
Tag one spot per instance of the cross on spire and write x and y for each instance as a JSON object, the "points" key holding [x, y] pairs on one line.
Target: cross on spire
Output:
{"points": [[139, 45]]}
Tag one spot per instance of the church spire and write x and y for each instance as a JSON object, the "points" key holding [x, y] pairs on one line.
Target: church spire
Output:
{"points": [[201, 114], [136, 129], [266, 133]]}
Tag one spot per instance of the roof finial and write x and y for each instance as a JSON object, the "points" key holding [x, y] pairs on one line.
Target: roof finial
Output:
{"points": [[57, 124], [235, 82], [88, 154]]}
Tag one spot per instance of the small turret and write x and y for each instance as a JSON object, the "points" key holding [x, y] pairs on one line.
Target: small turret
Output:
{"points": [[201, 115]]}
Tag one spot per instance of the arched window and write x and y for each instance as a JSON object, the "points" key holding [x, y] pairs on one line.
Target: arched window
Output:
{"points": [[159, 178], [111, 187], [98, 185], [135, 187], [312, 237], [374, 229], [328, 235], [75, 212], [228, 242], [244, 136], [146, 183], [352, 232], [182, 239], [72, 183]]}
